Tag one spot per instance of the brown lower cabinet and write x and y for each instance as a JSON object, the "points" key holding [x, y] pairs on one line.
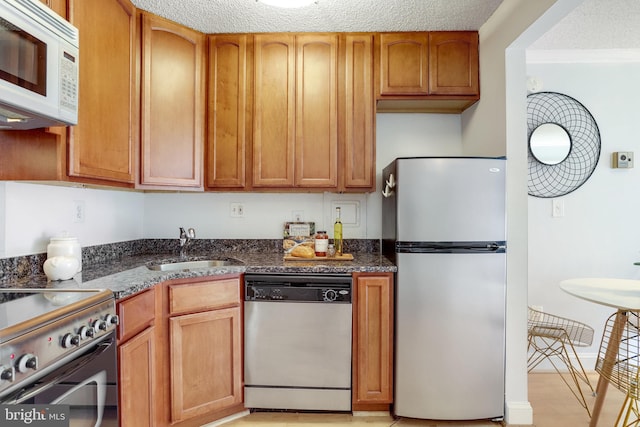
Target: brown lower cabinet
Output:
{"points": [[180, 350], [136, 359], [372, 341]]}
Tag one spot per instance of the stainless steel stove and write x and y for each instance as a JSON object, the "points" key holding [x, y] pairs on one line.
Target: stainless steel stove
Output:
{"points": [[57, 346]]}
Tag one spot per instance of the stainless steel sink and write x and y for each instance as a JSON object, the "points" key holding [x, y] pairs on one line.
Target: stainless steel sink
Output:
{"points": [[191, 265]]}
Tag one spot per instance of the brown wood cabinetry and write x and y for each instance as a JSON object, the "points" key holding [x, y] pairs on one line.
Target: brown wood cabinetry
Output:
{"points": [[202, 362], [136, 359], [172, 116], [373, 341], [228, 118], [103, 144], [273, 111], [295, 131], [316, 155], [453, 63], [427, 71], [404, 64], [357, 116], [101, 148]]}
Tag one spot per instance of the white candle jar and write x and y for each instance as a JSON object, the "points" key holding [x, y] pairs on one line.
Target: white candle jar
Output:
{"points": [[65, 246]]}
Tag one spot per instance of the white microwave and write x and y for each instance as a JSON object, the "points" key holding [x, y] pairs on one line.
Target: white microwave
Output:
{"points": [[38, 67]]}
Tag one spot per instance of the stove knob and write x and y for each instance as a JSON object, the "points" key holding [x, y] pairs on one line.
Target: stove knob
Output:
{"points": [[27, 361], [86, 332], [7, 373], [99, 325], [111, 319], [69, 340]]}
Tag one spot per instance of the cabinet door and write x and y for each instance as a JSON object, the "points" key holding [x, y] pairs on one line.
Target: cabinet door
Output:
{"points": [[358, 168], [404, 64], [206, 362], [102, 145], [316, 152], [136, 380], [172, 104], [227, 113], [274, 111], [453, 63], [373, 351]]}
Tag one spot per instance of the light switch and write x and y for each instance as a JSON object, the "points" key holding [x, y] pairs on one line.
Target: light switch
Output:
{"points": [[557, 208]]}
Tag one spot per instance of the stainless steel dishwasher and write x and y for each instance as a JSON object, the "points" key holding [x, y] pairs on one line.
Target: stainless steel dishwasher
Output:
{"points": [[297, 342]]}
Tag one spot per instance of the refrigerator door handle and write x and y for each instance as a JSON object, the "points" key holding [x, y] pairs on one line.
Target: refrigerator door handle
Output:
{"points": [[389, 186], [451, 247]]}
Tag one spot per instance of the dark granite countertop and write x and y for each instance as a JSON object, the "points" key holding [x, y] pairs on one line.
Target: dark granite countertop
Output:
{"points": [[128, 275]]}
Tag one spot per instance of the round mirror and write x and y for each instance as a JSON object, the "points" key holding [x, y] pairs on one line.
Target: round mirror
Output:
{"points": [[563, 142], [550, 143]]}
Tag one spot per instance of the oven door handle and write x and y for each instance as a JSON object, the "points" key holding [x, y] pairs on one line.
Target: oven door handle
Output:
{"points": [[49, 380]]}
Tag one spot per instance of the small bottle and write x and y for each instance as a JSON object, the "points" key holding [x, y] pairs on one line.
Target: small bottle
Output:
{"points": [[331, 251], [337, 233], [321, 243]]}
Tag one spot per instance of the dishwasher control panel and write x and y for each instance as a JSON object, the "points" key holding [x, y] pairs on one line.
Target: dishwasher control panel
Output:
{"points": [[295, 288]]}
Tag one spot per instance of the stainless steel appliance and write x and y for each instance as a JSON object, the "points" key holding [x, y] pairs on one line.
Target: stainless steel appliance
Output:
{"points": [[297, 342], [444, 225], [38, 67], [58, 347]]}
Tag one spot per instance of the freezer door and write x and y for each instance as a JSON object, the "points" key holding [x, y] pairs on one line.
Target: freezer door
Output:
{"points": [[450, 199], [450, 345]]}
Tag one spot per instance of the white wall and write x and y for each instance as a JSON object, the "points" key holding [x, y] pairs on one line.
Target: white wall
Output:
{"points": [[498, 123], [598, 236], [32, 213], [397, 135]]}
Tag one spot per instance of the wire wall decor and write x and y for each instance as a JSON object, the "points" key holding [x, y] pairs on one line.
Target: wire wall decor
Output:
{"points": [[554, 180]]}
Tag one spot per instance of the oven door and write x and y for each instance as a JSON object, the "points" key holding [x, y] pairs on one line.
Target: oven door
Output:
{"points": [[87, 384]]}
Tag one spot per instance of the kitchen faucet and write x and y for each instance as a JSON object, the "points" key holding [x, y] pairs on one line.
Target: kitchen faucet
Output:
{"points": [[185, 239]]}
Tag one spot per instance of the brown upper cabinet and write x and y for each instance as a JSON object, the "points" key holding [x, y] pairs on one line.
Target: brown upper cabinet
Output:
{"points": [[103, 144], [295, 129], [357, 114], [228, 111], [291, 112], [427, 71], [404, 64], [172, 115]]}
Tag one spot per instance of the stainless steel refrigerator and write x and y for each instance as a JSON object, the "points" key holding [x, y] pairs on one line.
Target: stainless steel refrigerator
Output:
{"points": [[444, 225]]}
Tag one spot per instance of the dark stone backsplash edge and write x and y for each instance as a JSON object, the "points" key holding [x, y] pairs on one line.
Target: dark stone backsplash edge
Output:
{"points": [[28, 265]]}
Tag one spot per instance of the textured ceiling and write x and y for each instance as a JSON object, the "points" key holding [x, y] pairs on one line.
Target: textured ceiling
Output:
{"points": [[596, 24], [249, 16]]}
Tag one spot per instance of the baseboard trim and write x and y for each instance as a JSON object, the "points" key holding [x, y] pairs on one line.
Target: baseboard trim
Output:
{"points": [[518, 414]]}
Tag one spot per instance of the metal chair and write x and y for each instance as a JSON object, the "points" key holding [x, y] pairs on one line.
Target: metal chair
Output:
{"points": [[554, 338], [621, 367]]}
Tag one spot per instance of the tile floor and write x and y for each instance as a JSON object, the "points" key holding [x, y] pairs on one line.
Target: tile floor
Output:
{"points": [[553, 406]]}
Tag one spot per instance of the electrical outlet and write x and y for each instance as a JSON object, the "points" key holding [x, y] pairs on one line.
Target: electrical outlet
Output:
{"points": [[78, 211], [237, 210], [297, 216]]}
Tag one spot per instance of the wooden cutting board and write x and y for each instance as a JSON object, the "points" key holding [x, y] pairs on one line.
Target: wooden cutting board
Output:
{"points": [[343, 257]]}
